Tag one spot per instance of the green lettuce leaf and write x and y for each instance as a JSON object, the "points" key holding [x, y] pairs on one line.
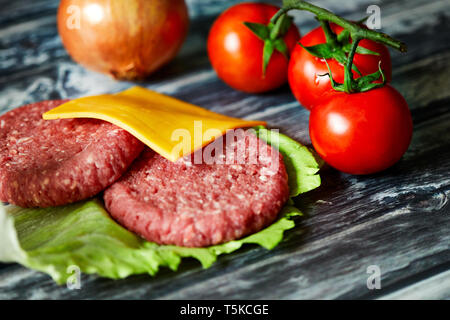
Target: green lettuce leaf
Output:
{"points": [[301, 164], [52, 240]]}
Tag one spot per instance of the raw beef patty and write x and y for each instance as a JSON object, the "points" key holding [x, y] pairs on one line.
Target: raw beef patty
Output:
{"points": [[54, 162], [197, 205]]}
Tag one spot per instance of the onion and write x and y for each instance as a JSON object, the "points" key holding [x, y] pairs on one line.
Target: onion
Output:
{"points": [[125, 39]]}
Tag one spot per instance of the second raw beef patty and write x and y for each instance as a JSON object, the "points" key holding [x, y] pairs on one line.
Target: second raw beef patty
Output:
{"points": [[197, 205]]}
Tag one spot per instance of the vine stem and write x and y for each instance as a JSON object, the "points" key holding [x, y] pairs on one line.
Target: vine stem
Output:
{"points": [[348, 75], [329, 35], [355, 30]]}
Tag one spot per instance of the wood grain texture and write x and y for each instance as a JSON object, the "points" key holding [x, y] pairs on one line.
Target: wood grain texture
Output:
{"points": [[398, 219]]}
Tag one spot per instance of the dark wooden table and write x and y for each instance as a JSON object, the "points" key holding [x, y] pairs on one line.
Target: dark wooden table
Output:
{"points": [[398, 220]]}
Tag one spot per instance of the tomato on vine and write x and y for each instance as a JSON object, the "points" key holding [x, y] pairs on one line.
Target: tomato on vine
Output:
{"points": [[247, 51], [307, 64], [358, 124], [361, 133]]}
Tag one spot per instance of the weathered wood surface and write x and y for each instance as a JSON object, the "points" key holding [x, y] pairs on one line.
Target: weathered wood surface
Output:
{"points": [[398, 220]]}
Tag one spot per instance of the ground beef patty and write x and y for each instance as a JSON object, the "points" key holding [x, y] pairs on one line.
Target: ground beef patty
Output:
{"points": [[197, 205], [54, 162]]}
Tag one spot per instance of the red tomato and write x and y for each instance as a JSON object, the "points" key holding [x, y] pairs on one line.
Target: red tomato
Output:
{"points": [[362, 133], [305, 70], [236, 52]]}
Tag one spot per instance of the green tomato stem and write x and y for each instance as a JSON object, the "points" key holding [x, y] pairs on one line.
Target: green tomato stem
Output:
{"points": [[348, 75], [329, 34]]}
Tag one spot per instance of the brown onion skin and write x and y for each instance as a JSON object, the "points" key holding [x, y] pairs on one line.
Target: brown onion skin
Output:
{"points": [[125, 39]]}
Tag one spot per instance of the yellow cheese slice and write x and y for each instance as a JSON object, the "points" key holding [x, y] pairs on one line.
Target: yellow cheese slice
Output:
{"points": [[169, 126]]}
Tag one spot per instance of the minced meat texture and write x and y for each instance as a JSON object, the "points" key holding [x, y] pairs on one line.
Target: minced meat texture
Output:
{"points": [[197, 205], [55, 162]]}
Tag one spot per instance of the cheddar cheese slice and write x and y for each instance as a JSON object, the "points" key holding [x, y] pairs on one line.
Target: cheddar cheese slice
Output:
{"points": [[169, 126]]}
